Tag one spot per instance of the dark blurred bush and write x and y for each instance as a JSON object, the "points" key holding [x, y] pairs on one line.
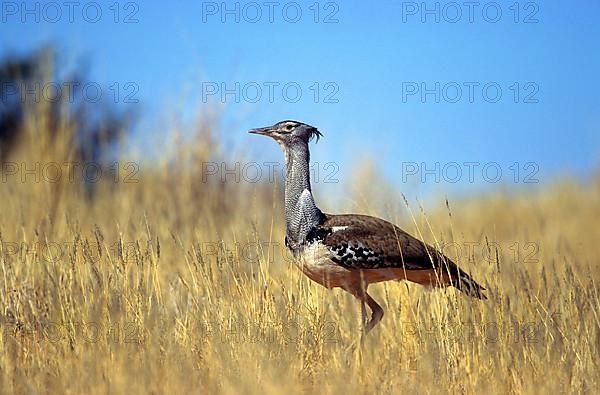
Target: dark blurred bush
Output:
{"points": [[36, 85]]}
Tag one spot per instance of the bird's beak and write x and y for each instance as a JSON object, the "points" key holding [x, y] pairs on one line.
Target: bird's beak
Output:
{"points": [[264, 131]]}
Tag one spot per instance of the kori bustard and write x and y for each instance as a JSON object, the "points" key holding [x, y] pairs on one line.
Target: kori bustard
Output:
{"points": [[352, 251]]}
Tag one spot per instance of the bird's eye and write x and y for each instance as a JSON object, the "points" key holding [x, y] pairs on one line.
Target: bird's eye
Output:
{"points": [[288, 128]]}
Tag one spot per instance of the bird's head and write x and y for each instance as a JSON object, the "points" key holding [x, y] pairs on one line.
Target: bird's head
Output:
{"points": [[289, 133]]}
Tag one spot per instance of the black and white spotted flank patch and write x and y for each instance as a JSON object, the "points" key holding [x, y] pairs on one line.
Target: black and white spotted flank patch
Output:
{"points": [[356, 255], [317, 234]]}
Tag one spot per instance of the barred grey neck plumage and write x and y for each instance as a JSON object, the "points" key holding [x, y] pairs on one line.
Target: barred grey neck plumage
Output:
{"points": [[301, 212]]}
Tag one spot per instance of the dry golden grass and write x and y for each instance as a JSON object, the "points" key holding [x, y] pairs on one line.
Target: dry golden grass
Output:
{"points": [[169, 284]]}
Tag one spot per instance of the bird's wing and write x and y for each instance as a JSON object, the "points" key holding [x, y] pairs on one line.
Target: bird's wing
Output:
{"points": [[365, 242]]}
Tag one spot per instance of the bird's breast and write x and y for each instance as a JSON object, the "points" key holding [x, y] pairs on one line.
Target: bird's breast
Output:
{"points": [[315, 262]]}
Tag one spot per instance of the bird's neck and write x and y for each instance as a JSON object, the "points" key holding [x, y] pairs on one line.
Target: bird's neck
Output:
{"points": [[297, 166], [301, 212]]}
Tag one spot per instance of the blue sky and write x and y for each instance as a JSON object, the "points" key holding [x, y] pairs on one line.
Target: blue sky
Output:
{"points": [[367, 59]]}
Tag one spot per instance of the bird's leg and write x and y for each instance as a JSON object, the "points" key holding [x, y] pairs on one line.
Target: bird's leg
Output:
{"points": [[362, 292], [363, 310], [377, 313]]}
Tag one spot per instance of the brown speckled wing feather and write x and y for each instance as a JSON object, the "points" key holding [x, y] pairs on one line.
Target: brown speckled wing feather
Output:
{"points": [[366, 242], [363, 242]]}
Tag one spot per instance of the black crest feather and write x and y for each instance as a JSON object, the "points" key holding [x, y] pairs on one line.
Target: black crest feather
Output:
{"points": [[315, 133]]}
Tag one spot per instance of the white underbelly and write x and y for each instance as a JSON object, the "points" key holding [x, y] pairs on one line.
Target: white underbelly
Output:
{"points": [[314, 261]]}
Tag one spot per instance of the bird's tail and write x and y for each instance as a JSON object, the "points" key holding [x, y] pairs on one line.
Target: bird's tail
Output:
{"points": [[466, 284]]}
